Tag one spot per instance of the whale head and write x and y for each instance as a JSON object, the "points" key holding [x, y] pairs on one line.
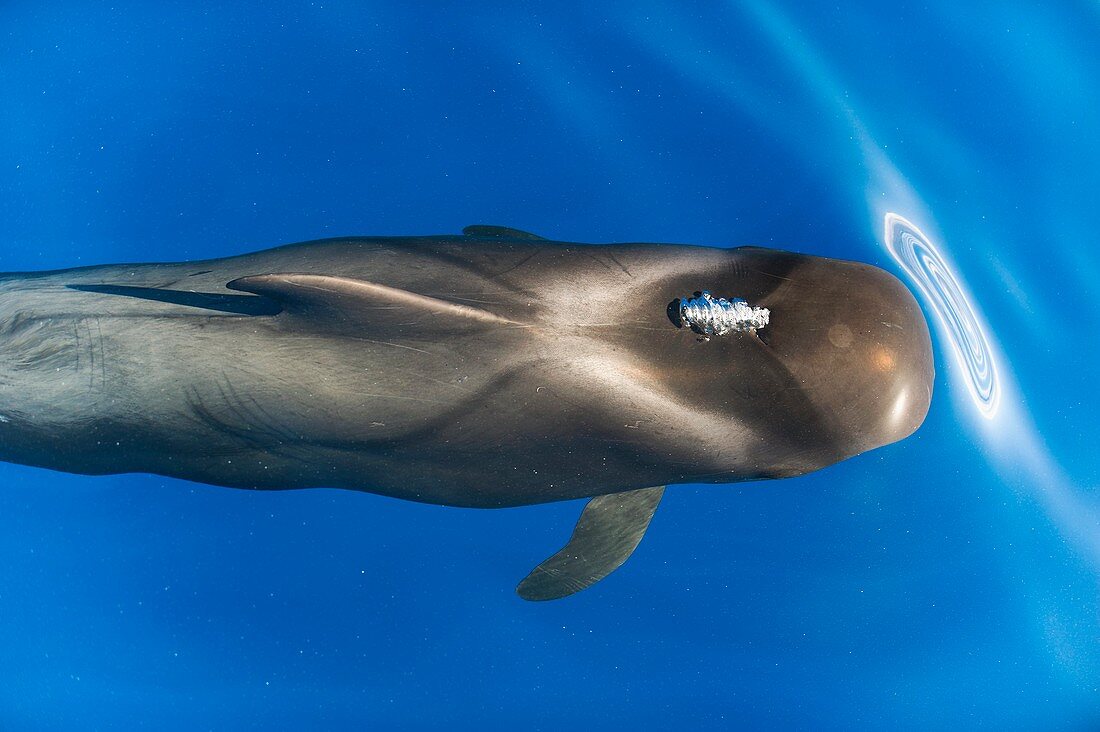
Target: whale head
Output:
{"points": [[855, 339], [813, 361]]}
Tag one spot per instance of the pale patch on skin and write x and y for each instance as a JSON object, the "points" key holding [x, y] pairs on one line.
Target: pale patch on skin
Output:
{"points": [[840, 335]]}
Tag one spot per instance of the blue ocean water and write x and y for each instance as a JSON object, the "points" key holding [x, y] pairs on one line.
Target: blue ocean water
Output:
{"points": [[947, 581]]}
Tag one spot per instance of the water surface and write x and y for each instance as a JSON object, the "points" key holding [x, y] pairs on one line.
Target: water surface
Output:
{"points": [[947, 581]]}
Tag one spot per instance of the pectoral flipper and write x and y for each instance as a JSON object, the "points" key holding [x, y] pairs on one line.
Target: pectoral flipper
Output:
{"points": [[607, 533]]}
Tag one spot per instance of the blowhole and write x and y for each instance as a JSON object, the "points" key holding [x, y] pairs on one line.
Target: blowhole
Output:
{"points": [[673, 312]]}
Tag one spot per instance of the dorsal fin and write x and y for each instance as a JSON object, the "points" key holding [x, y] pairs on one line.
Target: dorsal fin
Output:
{"points": [[362, 301], [481, 231]]}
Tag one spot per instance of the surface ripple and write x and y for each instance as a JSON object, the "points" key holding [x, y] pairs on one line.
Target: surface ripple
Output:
{"points": [[927, 267]]}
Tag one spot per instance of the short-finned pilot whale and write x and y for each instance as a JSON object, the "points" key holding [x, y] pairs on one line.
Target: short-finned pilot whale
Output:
{"points": [[490, 369]]}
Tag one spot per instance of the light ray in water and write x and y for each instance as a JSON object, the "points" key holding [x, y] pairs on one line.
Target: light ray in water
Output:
{"points": [[923, 262]]}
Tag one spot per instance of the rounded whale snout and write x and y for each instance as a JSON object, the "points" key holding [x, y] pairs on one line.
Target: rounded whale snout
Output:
{"points": [[856, 339]]}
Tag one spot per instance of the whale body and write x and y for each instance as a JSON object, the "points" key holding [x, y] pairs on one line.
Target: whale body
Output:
{"points": [[490, 369]]}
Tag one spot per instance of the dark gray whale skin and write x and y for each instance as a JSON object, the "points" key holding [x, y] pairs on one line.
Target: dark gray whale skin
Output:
{"points": [[486, 370]]}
